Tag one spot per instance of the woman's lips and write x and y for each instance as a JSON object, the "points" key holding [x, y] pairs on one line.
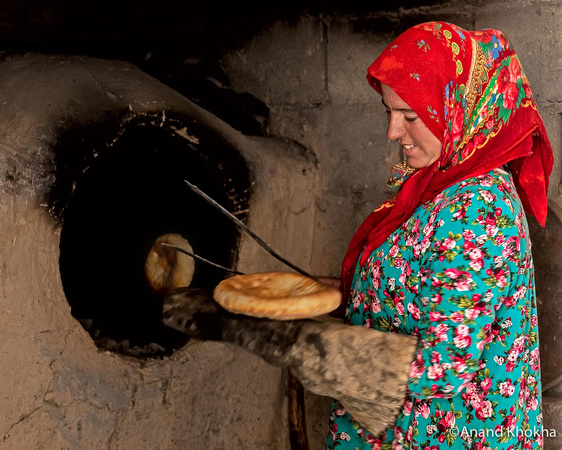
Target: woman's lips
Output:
{"points": [[409, 149]]}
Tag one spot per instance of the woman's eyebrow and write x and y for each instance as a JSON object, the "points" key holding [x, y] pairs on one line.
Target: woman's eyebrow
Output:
{"points": [[397, 109]]}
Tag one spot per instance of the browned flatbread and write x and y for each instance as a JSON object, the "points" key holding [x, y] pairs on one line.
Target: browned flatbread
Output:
{"points": [[165, 268], [276, 295]]}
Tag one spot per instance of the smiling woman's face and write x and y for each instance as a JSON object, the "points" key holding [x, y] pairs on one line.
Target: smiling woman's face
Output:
{"points": [[420, 146]]}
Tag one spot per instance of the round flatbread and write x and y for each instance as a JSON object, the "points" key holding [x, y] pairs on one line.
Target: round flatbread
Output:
{"points": [[276, 295], [165, 268]]}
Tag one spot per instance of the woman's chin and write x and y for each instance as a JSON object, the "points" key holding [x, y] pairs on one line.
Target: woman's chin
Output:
{"points": [[414, 163], [417, 163]]}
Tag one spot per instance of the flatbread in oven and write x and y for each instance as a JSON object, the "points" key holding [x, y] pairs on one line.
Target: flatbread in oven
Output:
{"points": [[166, 268]]}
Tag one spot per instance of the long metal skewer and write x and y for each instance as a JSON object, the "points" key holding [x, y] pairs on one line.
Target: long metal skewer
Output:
{"points": [[200, 258], [246, 229]]}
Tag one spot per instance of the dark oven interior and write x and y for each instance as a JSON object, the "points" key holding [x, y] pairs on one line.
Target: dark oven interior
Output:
{"points": [[116, 199]]}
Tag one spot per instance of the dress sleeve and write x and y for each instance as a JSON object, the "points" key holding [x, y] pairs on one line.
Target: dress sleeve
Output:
{"points": [[469, 269]]}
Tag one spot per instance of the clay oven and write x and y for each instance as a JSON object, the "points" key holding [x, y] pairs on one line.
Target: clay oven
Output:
{"points": [[93, 154]]}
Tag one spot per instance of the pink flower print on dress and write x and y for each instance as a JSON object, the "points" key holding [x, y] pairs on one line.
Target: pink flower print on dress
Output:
{"points": [[459, 365], [441, 331], [407, 408], [485, 410], [468, 235], [462, 337], [435, 357], [376, 276], [453, 273], [450, 419], [486, 181], [472, 313], [491, 230], [422, 409], [414, 311], [486, 384], [475, 253], [375, 305], [417, 367], [457, 317], [409, 433], [506, 388], [425, 243], [435, 316], [463, 284]]}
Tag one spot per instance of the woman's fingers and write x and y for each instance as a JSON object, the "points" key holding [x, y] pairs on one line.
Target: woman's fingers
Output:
{"points": [[329, 281]]}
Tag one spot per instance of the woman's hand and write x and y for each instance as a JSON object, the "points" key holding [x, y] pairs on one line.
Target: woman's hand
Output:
{"points": [[335, 283], [329, 281]]}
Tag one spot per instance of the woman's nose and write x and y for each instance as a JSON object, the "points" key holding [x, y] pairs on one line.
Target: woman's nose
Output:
{"points": [[395, 128]]}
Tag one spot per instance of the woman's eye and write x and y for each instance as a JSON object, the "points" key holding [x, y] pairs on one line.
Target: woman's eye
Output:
{"points": [[411, 118]]}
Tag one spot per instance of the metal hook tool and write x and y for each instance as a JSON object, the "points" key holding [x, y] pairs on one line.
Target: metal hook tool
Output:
{"points": [[244, 228], [200, 258]]}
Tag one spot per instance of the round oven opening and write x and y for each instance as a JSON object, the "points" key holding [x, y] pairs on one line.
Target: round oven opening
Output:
{"points": [[125, 199]]}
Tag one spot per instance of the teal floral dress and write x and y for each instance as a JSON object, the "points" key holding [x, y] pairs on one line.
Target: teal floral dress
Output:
{"points": [[459, 275]]}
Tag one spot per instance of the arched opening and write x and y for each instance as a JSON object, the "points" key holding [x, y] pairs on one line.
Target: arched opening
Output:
{"points": [[127, 197]]}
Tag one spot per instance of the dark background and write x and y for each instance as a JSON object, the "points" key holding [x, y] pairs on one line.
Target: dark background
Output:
{"points": [[140, 30]]}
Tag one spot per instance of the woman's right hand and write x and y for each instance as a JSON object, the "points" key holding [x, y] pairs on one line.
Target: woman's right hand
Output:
{"points": [[329, 281]]}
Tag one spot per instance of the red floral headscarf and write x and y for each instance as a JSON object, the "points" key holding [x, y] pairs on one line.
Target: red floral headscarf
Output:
{"points": [[468, 88]]}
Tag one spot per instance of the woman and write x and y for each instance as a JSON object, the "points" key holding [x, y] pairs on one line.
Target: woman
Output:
{"points": [[448, 258]]}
